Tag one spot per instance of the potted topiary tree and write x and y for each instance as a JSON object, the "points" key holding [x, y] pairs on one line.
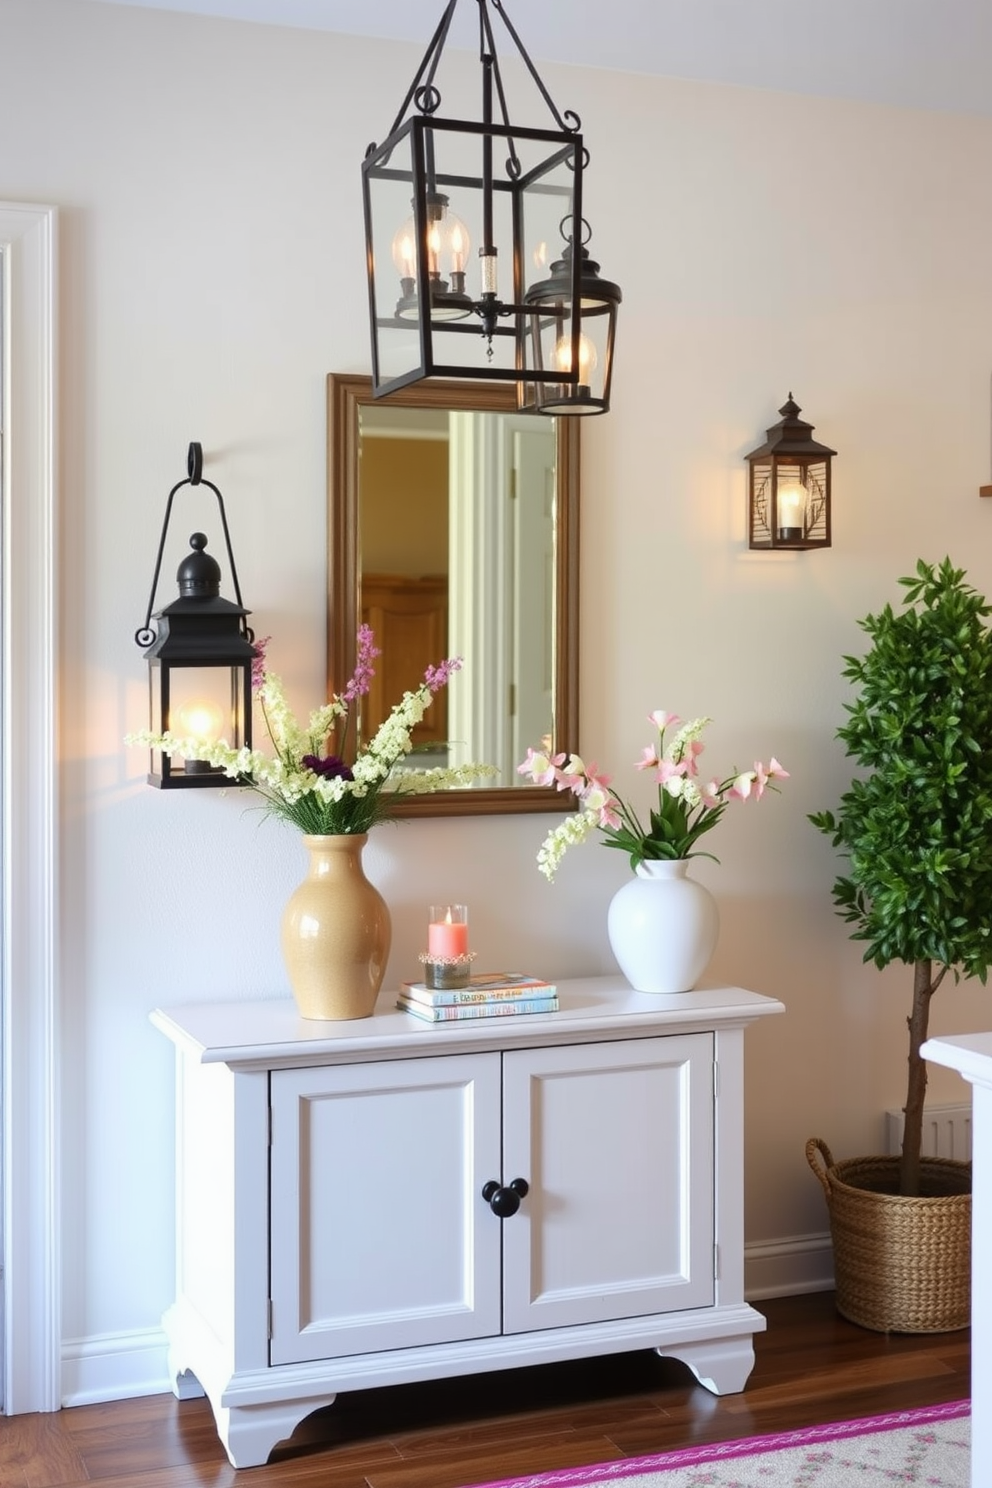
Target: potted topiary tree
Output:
{"points": [[916, 828]]}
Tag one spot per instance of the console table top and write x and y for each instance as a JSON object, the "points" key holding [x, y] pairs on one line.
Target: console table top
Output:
{"points": [[271, 1032]]}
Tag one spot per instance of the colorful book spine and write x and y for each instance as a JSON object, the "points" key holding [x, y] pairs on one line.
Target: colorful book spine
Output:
{"points": [[448, 1012], [478, 991]]}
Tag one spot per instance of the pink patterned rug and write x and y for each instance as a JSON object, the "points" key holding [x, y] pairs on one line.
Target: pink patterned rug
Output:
{"points": [[929, 1447]]}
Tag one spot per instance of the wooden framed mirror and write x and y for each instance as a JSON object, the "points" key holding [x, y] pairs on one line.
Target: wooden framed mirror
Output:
{"points": [[452, 529]]}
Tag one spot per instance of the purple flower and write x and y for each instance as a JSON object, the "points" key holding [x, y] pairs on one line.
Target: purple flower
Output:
{"points": [[331, 768], [258, 663], [364, 669], [436, 677]]}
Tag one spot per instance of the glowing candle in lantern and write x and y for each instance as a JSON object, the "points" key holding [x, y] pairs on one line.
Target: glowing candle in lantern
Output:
{"points": [[447, 932]]}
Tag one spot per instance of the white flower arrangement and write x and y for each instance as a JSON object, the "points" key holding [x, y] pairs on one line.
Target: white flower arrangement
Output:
{"points": [[307, 781]]}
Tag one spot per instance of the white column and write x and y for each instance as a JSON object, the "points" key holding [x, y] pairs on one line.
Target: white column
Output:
{"points": [[971, 1056], [29, 781]]}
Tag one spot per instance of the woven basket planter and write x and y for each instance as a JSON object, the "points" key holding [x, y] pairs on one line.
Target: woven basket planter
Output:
{"points": [[901, 1265]]}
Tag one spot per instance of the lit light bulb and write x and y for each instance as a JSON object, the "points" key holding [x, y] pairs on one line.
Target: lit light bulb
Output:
{"points": [[200, 719], [459, 247], [433, 249], [405, 250], [448, 244], [587, 356], [791, 507], [448, 240]]}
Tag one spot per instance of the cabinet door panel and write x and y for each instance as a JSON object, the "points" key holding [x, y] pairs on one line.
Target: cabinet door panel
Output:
{"points": [[616, 1143], [378, 1237]]}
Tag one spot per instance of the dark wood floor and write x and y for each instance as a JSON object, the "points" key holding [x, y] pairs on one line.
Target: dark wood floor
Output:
{"points": [[811, 1367]]}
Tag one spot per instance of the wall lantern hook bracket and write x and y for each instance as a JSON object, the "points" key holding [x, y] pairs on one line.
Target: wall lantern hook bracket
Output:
{"points": [[145, 635]]}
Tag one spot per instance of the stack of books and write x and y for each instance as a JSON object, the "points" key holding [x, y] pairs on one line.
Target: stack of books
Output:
{"points": [[494, 994]]}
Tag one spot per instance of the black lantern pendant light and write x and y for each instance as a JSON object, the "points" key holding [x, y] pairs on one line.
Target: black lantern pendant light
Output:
{"points": [[529, 305], [789, 486], [199, 657]]}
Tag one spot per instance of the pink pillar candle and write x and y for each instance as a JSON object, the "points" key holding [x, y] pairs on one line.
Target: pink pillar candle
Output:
{"points": [[447, 932]]}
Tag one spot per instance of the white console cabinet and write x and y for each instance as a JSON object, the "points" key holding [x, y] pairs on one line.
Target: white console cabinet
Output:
{"points": [[384, 1200]]}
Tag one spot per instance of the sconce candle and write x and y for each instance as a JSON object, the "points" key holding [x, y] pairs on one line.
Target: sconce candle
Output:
{"points": [[447, 932]]}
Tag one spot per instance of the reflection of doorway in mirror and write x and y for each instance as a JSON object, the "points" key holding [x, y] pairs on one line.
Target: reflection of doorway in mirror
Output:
{"points": [[501, 587], [404, 563], [533, 576]]}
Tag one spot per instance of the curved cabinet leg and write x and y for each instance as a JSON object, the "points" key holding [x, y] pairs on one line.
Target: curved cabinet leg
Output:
{"points": [[722, 1365], [186, 1386], [249, 1432]]}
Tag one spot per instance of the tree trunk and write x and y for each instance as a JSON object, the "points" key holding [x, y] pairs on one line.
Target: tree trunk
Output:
{"points": [[918, 1021]]}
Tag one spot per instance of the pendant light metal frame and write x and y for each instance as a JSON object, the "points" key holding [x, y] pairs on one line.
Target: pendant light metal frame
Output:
{"points": [[430, 309]]}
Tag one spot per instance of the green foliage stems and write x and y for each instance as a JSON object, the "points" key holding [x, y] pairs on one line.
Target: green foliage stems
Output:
{"points": [[675, 829]]}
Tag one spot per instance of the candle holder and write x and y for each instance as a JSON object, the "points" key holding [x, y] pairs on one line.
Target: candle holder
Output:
{"points": [[446, 973], [447, 960]]}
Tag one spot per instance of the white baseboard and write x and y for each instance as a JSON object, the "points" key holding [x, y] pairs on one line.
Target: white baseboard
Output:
{"points": [[788, 1267], [122, 1366], [115, 1366]]}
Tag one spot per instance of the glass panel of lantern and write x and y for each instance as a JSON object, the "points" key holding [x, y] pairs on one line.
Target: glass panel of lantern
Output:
{"points": [[429, 218], [790, 503], [204, 703], [576, 309], [563, 339], [557, 338]]}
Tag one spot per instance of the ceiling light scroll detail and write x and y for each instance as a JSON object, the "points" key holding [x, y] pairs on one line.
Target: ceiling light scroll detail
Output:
{"points": [[476, 244]]}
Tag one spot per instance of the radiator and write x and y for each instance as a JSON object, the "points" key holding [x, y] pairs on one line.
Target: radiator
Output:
{"points": [[946, 1132]]}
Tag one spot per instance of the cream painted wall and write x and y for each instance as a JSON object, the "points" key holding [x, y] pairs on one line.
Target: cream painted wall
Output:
{"points": [[212, 262]]}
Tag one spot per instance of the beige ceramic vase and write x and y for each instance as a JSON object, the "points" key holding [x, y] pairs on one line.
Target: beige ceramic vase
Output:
{"points": [[336, 933]]}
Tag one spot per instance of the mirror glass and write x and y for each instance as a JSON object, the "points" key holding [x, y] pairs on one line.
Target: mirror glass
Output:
{"points": [[453, 531]]}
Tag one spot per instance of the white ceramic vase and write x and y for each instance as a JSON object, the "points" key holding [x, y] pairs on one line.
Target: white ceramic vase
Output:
{"points": [[663, 927]]}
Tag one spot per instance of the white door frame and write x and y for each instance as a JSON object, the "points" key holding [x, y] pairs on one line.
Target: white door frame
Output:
{"points": [[28, 767]]}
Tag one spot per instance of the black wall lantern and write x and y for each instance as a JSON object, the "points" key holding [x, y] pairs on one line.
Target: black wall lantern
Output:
{"points": [[199, 657], [481, 270], [789, 486]]}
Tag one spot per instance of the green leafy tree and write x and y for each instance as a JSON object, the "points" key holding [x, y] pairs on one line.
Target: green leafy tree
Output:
{"points": [[916, 827]]}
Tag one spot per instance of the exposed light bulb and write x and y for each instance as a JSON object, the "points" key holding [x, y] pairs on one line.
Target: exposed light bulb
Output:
{"points": [[791, 507], [448, 245], [587, 356], [405, 253], [433, 249], [200, 719], [459, 246]]}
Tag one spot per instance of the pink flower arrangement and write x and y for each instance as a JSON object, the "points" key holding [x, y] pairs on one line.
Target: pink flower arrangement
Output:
{"points": [[687, 806]]}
